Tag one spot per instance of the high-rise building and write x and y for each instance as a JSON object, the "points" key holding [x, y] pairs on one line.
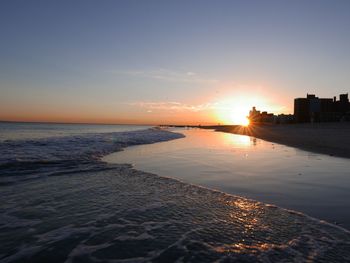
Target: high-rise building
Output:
{"points": [[314, 109]]}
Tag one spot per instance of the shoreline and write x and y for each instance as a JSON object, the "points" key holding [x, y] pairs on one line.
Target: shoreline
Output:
{"points": [[219, 161], [325, 138]]}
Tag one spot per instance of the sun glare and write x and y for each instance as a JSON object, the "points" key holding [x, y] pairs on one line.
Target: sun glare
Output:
{"points": [[245, 122], [239, 116], [235, 110]]}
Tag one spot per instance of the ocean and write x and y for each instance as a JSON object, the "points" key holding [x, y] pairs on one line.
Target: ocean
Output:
{"points": [[61, 203], [27, 130]]}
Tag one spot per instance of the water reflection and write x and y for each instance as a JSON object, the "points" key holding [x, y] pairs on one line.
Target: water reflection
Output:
{"points": [[318, 185], [253, 140], [243, 248], [241, 141]]}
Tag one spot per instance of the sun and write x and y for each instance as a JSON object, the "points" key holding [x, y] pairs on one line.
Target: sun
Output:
{"points": [[245, 122], [234, 112], [239, 116], [233, 109]]}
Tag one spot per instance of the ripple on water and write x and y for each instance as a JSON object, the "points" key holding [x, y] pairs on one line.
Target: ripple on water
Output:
{"points": [[124, 214]]}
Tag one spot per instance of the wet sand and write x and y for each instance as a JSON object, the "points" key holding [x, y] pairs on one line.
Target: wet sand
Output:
{"points": [[326, 138]]}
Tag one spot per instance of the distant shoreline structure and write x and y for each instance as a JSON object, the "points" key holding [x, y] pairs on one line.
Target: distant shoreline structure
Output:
{"points": [[310, 109]]}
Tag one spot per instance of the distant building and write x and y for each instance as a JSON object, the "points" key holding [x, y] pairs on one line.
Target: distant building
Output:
{"points": [[267, 117], [256, 116], [309, 109], [284, 119], [314, 109]]}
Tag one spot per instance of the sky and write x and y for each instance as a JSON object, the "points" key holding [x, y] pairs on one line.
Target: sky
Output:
{"points": [[168, 62]]}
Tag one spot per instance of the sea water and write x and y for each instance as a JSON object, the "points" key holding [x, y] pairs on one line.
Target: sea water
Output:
{"points": [[316, 184], [61, 203], [27, 130]]}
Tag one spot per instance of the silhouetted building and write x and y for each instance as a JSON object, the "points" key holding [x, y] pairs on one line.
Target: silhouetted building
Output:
{"points": [[256, 116], [267, 117], [342, 105], [314, 109], [284, 119]]}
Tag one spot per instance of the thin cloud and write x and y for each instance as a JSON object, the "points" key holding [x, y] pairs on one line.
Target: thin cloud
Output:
{"points": [[167, 75], [173, 106]]}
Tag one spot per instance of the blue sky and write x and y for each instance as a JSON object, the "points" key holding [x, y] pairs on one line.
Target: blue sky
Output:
{"points": [[169, 61]]}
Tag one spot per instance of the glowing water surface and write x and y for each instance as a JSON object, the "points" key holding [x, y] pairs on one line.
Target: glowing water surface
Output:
{"points": [[316, 184], [27, 130]]}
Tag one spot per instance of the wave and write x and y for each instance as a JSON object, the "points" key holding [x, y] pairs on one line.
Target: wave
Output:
{"points": [[25, 159]]}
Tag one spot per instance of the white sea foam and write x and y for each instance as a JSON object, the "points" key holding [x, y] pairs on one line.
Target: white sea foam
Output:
{"points": [[30, 159]]}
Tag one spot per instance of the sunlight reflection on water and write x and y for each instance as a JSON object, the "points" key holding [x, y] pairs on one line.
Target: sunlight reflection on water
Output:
{"points": [[232, 140]]}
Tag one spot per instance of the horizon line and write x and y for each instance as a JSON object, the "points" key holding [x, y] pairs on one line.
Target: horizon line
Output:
{"points": [[99, 123]]}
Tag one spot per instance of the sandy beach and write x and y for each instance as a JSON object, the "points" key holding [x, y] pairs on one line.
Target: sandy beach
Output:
{"points": [[326, 138]]}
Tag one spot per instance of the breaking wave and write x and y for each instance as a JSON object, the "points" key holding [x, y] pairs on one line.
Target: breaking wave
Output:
{"points": [[28, 159]]}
